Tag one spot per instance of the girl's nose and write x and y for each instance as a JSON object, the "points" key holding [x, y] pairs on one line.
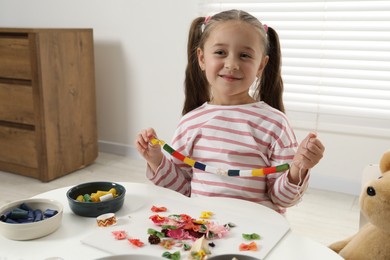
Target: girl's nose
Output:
{"points": [[231, 64]]}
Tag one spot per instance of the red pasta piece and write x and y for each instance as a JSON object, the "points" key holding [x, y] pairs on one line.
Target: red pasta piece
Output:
{"points": [[157, 219], [248, 247], [158, 209], [136, 242]]}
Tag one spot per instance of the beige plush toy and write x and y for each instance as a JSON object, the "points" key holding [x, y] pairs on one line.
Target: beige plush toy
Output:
{"points": [[372, 241]]}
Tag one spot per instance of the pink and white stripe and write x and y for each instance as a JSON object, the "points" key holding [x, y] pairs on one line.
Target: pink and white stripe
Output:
{"points": [[240, 137]]}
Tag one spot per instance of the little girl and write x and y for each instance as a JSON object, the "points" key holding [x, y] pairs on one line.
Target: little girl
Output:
{"points": [[227, 124]]}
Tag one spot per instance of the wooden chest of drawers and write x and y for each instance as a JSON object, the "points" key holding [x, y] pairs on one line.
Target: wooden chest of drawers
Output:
{"points": [[48, 122]]}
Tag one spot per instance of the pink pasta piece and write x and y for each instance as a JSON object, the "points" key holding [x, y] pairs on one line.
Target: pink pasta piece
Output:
{"points": [[119, 235]]}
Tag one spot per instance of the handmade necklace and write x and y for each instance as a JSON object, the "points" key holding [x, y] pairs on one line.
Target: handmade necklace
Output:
{"points": [[211, 169]]}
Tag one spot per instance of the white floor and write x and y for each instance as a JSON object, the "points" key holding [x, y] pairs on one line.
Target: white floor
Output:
{"points": [[322, 215]]}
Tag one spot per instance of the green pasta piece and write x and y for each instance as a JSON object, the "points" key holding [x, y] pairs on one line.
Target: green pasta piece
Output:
{"points": [[252, 236]]}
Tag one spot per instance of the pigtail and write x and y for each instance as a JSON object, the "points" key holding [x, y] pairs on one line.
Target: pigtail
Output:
{"points": [[195, 85], [271, 84]]}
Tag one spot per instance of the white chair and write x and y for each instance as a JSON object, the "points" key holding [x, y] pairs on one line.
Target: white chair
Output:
{"points": [[370, 172]]}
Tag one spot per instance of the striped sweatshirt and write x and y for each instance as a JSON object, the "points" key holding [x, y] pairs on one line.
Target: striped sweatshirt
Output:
{"points": [[240, 137]]}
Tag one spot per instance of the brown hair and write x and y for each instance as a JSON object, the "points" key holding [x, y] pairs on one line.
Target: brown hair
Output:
{"points": [[196, 87]]}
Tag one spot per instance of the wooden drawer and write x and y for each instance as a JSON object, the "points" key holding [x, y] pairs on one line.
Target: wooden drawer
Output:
{"points": [[47, 101], [15, 56], [18, 146], [16, 103]]}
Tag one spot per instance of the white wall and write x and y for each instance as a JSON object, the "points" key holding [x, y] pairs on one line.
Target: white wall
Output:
{"points": [[345, 157], [140, 58]]}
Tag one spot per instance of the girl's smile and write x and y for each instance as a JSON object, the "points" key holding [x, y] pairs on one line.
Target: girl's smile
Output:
{"points": [[229, 78]]}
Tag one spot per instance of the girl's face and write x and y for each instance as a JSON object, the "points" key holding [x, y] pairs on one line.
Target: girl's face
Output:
{"points": [[232, 58]]}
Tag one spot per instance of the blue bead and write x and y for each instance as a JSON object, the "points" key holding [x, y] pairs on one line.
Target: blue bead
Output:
{"points": [[200, 166]]}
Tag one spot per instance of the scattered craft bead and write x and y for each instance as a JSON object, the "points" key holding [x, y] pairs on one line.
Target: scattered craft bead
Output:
{"points": [[154, 239], [252, 236], [206, 214], [173, 256], [136, 242], [119, 235], [179, 227], [182, 226], [158, 209], [106, 220], [252, 246]]}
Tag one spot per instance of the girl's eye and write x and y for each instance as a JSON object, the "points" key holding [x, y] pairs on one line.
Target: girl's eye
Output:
{"points": [[245, 55], [219, 52]]}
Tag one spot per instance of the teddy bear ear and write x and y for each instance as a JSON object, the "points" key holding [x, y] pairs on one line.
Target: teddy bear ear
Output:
{"points": [[385, 162]]}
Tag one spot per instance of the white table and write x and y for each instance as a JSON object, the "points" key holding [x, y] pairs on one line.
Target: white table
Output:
{"points": [[66, 241]]}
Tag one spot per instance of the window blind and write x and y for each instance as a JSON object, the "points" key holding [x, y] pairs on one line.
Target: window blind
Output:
{"points": [[335, 61]]}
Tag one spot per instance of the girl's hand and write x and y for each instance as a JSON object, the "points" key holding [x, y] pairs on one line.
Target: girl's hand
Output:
{"points": [[309, 152], [151, 153]]}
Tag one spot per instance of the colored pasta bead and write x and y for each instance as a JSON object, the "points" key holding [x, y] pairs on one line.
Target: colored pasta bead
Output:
{"points": [[38, 216], [207, 168]]}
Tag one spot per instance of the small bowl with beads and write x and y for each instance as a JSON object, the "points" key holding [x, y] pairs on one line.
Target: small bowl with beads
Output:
{"points": [[30, 218], [93, 199]]}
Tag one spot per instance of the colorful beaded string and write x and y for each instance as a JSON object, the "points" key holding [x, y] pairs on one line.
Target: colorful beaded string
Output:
{"points": [[207, 168]]}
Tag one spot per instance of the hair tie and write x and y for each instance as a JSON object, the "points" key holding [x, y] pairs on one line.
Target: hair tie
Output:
{"points": [[265, 28], [206, 20]]}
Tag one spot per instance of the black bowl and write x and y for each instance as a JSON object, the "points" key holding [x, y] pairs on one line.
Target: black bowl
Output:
{"points": [[94, 209]]}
